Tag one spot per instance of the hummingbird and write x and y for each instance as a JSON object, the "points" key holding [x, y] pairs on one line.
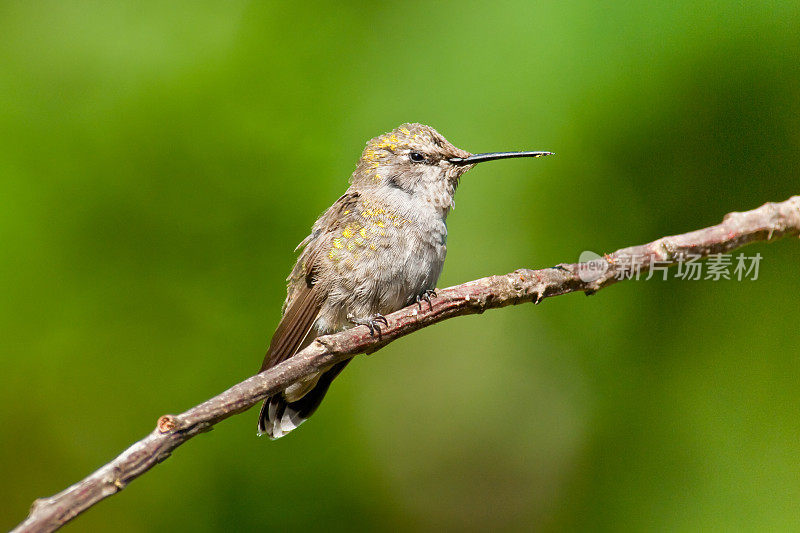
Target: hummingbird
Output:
{"points": [[378, 248]]}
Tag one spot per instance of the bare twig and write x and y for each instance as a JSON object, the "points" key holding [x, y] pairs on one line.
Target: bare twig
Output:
{"points": [[768, 222]]}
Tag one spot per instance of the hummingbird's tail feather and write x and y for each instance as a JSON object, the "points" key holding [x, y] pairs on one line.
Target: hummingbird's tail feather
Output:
{"points": [[279, 416]]}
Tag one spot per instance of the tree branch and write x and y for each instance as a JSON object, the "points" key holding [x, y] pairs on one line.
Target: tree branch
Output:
{"points": [[769, 222]]}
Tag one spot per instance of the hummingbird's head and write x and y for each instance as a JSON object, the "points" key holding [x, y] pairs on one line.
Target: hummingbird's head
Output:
{"points": [[418, 160]]}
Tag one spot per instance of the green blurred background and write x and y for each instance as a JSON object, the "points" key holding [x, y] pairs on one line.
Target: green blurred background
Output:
{"points": [[160, 161]]}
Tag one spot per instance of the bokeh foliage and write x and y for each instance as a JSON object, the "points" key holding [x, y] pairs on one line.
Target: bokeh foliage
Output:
{"points": [[159, 162]]}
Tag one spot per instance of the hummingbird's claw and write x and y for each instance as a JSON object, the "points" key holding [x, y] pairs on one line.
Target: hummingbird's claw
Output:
{"points": [[426, 296], [373, 322]]}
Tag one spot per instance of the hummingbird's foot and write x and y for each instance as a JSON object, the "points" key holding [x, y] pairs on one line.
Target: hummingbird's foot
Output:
{"points": [[373, 322], [426, 296], [560, 267]]}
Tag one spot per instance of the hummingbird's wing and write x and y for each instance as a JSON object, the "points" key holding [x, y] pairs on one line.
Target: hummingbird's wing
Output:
{"points": [[304, 297]]}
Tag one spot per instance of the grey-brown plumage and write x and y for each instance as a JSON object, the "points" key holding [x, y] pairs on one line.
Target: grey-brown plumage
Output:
{"points": [[378, 248]]}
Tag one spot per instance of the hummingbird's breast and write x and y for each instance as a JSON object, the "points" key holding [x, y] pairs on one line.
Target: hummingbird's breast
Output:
{"points": [[384, 255]]}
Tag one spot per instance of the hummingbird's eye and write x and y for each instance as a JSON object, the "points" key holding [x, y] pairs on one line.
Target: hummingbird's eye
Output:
{"points": [[416, 157]]}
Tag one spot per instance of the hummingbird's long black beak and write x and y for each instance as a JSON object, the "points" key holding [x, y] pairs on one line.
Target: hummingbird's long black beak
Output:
{"points": [[491, 156]]}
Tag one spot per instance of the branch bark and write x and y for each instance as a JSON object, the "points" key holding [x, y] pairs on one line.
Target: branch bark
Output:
{"points": [[769, 222]]}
